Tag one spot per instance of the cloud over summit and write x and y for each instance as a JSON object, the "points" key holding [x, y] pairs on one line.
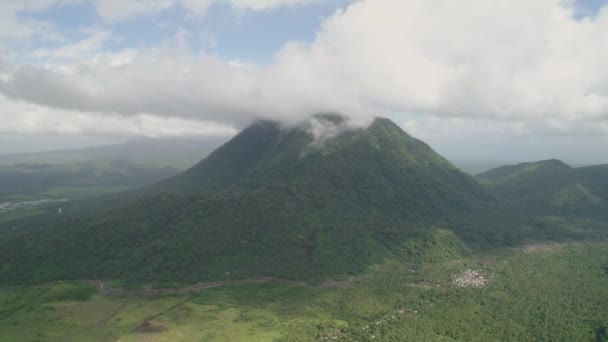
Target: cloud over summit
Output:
{"points": [[516, 63]]}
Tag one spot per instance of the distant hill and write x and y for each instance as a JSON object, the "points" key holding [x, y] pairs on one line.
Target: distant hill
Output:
{"points": [[76, 180], [474, 167], [550, 184], [88, 172], [179, 153], [272, 201]]}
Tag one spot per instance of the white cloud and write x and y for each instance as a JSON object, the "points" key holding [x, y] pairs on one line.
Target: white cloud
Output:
{"points": [[25, 118], [81, 49], [502, 66], [432, 126], [508, 59]]}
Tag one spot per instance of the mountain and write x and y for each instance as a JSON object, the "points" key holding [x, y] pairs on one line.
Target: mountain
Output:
{"points": [[549, 185], [309, 202]]}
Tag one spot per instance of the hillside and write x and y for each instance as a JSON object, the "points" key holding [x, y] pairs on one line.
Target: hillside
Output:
{"points": [[548, 185], [273, 201], [596, 178]]}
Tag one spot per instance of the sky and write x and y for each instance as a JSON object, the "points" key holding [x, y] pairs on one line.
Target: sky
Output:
{"points": [[506, 80]]}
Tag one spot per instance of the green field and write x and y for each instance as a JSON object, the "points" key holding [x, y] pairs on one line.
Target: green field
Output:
{"points": [[539, 293]]}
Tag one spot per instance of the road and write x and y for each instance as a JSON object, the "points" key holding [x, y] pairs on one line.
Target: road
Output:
{"points": [[106, 289]]}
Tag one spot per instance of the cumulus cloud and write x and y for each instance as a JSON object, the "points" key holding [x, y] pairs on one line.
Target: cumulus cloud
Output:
{"points": [[25, 118], [520, 64], [177, 85]]}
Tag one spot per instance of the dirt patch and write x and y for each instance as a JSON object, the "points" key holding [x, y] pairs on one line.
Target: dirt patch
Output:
{"points": [[105, 288], [150, 327], [541, 247], [471, 278], [333, 284]]}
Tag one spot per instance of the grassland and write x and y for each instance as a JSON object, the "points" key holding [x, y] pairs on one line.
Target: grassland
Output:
{"points": [[538, 293]]}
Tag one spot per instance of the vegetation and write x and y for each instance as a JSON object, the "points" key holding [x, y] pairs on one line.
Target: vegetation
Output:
{"points": [[391, 301], [550, 186]]}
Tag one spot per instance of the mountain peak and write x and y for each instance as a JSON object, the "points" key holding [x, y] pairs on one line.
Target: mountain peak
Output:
{"points": [[277, 201], [266, 149], [553, 163], [506, 173], [323, 126], [335, 118]]}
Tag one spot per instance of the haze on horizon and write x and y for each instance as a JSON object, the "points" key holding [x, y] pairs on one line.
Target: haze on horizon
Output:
{"points": [[507, 81]]}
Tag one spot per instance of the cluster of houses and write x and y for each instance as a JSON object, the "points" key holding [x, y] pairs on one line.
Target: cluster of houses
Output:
{"points": [[471, 278], [11, 206]]}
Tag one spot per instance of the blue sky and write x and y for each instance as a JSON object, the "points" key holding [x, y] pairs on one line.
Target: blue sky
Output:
{"points": [[247, 36], [590, 6]]}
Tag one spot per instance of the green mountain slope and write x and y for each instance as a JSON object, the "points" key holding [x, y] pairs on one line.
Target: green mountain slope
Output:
{"points": [[547, 185], [596, 178], [272, 201]]}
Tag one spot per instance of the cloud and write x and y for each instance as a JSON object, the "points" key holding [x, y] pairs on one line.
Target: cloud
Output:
{"points": [[511, 59], [171, 83], [77, 50], [25, 118], [522, 65]]}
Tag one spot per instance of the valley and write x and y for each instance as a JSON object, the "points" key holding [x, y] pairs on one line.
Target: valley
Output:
{"points": [[518, 303]]}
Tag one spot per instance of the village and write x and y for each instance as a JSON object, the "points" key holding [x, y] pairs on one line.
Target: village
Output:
{"points": [[27, 205]]}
